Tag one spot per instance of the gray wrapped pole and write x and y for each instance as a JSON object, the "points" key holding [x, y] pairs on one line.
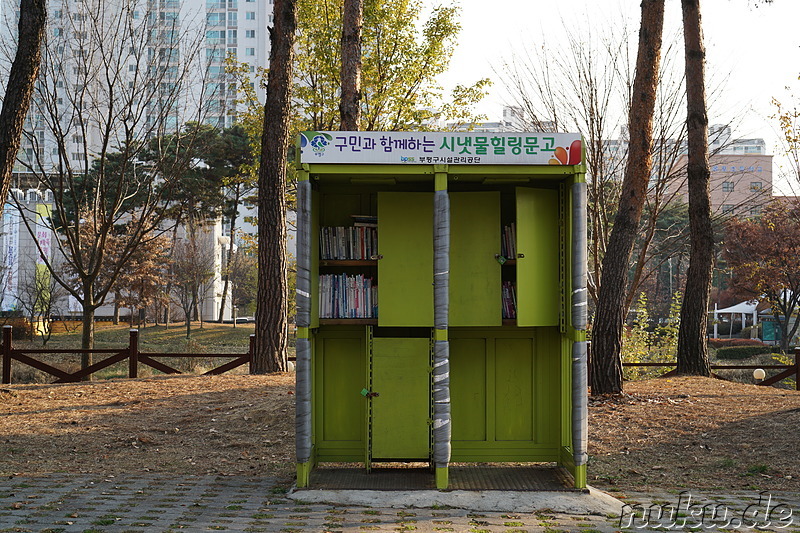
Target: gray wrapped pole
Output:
{"points": [[303, 319], [580, 383], [441, 350], [579, 254], [303, 366]]}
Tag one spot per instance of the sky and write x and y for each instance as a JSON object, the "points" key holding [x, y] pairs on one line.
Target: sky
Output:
{"points": [[758, 48]]}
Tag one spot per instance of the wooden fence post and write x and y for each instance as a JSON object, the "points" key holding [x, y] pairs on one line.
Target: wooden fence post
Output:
{"points": [[251, 353], [133, 354], [7, 354]]}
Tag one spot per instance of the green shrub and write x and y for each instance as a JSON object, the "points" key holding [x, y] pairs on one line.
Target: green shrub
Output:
{"points": [[741, 352]]}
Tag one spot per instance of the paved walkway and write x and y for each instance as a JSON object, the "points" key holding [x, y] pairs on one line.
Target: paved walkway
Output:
{"points": [[150, 503]]}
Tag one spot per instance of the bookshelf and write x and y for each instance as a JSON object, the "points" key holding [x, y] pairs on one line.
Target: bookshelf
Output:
{"points": [[417, 267]]}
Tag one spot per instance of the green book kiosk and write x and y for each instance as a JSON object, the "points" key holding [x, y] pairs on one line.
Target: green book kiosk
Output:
{"points": [[441, 299]]}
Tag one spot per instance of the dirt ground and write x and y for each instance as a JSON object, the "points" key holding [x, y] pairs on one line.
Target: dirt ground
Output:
{"points": [[703, 433], [663, 433], [191, 425]]}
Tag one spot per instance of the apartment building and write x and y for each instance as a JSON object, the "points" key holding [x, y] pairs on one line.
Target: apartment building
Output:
{"points": [[115, 74]]}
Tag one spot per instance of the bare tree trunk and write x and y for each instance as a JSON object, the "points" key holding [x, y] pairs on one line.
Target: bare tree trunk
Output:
{"points": [[87, 340], [115, 320], [272, 308], [692, 350], [21, 80], [611, 310], [352, 20]]}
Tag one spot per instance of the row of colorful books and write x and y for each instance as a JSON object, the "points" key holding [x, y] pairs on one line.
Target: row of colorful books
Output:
{"points": [[508, 242], [509, 300], [352, 242], [343, 296]]}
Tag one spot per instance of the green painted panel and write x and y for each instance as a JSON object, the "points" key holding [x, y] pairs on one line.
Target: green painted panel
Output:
{"points": [[514, 390], [342, 376], [553, 388], [400, 412], [468, 389], [475, 277], [405, 274], [538, 293]]}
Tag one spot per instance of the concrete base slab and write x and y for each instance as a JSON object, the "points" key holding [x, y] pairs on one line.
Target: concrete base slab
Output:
{"points": [[589, 502]]}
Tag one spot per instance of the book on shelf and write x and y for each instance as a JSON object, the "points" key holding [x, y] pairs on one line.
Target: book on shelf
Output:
{"points": [[349, 242], [345, 296], [369, 221], [508, 242], [509, 300]]}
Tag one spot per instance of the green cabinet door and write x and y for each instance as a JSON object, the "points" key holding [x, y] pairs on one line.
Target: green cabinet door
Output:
{"points": [[405, 271], [475, 277], [538, 296], [401, 409]]}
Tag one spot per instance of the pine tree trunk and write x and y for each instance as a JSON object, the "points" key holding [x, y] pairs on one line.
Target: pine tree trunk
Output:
{"points": [[272, 309], [352, 21], [21, 80], [692, 350], [606, 369]]}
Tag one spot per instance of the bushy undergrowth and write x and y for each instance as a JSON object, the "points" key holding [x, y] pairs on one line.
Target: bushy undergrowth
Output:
{"points": [[640, 344]]}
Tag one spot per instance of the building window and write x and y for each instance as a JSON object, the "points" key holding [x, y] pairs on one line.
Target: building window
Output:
{"points": [[233, 16], [755, 211], [249, 51], [756, 186], [57, 32], [250, 34], [215, 37], [727, 186], [250, 15], [727, 209], [215, 19]]}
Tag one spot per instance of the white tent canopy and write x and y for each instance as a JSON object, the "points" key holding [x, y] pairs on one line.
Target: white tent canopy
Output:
{"points": [[742, 308]]}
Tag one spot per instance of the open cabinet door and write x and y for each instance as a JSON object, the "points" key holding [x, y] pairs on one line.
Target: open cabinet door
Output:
{"points": [[538, 301], [475, 276], [405, 271]]}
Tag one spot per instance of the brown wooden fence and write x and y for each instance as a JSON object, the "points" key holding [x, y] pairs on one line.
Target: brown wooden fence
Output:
{"points": [[113, 356], [787, 371]]}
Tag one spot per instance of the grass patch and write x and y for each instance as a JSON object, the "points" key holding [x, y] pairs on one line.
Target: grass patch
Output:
{"points": [[757, 469]]}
